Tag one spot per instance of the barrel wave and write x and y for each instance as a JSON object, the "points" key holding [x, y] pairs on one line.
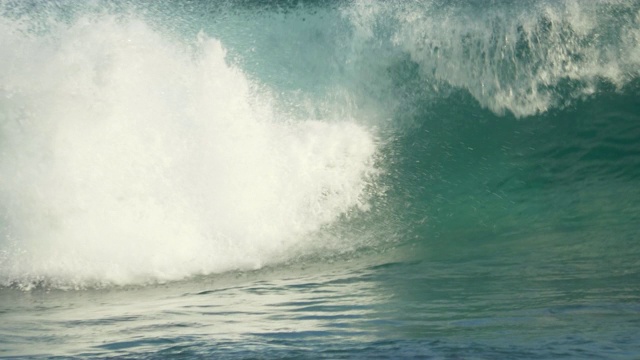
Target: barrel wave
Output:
{"points": [[139, 148], [320, 179]]}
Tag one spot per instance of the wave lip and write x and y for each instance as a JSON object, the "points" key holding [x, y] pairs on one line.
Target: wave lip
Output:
{"points": [[524, 58]]}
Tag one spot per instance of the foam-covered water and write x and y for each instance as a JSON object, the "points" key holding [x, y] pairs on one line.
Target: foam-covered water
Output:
{"points": [[352, 179]]}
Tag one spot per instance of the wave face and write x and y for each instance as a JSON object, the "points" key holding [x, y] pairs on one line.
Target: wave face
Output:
{"points": [[151, 141]]}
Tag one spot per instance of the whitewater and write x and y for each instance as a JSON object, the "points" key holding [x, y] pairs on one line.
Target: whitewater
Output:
{"points": [[320, 179], [130, 159]]}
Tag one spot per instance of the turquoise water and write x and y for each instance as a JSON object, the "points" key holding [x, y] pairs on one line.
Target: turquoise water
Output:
{"points": [[297, 179]]}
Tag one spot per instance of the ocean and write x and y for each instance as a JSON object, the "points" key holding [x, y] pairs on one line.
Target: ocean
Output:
{"points": [[296, 179]]}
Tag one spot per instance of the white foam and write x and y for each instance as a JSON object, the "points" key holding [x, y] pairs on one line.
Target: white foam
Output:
{"points": [[512, 57], [127, 158]]}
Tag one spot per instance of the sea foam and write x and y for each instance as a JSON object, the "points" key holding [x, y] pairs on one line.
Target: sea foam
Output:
{"points": [[130, 157]]}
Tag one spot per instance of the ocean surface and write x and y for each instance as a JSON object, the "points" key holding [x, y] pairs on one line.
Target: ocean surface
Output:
{"points": [[320, 179]]}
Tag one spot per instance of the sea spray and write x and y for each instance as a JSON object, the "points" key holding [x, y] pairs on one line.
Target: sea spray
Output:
{"points": [[130, 158], [523, 58]]}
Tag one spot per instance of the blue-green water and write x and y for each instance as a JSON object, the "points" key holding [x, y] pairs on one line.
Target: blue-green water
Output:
{"points": [[328, 179]]}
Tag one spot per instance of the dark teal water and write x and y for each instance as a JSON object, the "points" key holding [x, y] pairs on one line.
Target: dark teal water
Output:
{"points": [[348, 179]]}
